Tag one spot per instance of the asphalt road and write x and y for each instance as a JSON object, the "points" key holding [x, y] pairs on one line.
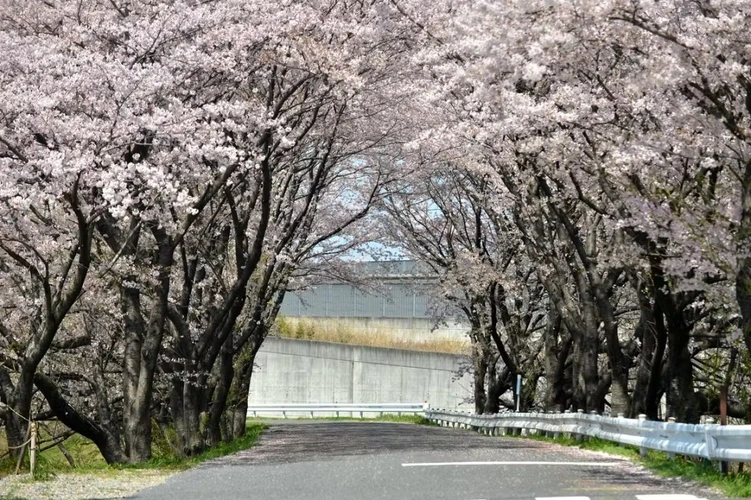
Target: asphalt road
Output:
{"points": [[368, 461]]}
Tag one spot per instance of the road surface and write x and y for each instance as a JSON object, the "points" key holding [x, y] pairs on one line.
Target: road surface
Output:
{"points": [[368, 461]]}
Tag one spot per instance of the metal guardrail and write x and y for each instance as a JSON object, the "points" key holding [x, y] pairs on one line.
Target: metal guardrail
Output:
{"points": [[710, 441], [337, 408]]}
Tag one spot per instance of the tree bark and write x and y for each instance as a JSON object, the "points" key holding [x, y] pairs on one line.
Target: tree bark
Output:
{"points": [[645, 331], [743, 279], [479, 373], [104, 438], [497, 385], [237, 402], [143, 344], [226, 374], [556, 354]]}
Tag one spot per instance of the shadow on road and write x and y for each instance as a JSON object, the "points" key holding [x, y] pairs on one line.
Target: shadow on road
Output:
{"points": [[621, 479], [317, 441]]}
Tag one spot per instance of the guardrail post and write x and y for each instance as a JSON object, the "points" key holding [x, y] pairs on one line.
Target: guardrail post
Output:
{"points": [[577, 436], [642, 450], [671, 455], [556, 434], [710, 441], [621, 415]]}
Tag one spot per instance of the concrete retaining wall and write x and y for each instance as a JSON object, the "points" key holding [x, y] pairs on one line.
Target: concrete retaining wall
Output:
{"points": [[302, 371]]}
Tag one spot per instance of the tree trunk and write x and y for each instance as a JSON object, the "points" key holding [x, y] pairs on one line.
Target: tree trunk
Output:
{"points": [[497, 385], [221, 395], [586, 372], [681, 400], [143, 345], [620, 400], [186, 408], [679, 375], [15, 432], [19, 401], [655, 387], [743, 279], [646, 333], [555, 357], [479, 373], [106, 439], [237, 402]]}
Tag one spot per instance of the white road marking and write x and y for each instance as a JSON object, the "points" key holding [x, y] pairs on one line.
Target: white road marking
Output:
{"points": [[582, 464], [667, 497], [562, 498]]}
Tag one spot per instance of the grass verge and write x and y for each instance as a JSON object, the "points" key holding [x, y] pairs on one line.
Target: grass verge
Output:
{"points": [[172, 462], [86, 456], [735, 484]]}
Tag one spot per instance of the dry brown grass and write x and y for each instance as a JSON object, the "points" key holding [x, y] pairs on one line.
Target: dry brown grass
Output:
{"points": [[332, 330]]}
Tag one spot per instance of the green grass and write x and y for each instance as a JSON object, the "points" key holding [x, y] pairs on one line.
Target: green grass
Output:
{"points": [[735, 484], [88, 459], [52, 460]]}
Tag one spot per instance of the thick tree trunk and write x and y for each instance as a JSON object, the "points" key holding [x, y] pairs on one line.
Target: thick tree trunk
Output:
{"points": [[143, 344], [682, 401], [587, 375], [186, 408], [646, 333], [15, 433], [137, 429], [585, 362], [743, 279], [555, 355], [19, 400], [237, 407], [655, 387], [479, 373], [620, 399], [497, 385], [221, 395], [105, 438], [237, 402], [679, 376]]}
